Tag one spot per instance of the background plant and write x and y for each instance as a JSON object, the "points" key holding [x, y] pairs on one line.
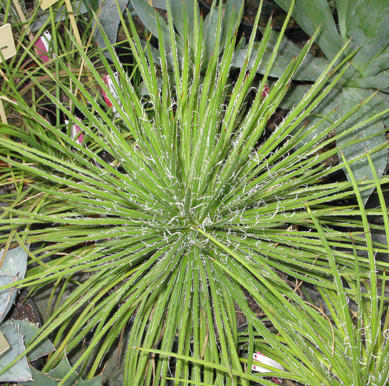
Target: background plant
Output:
{"points": [[340, 21], [194, 206], [21, 73], [18, 333]]}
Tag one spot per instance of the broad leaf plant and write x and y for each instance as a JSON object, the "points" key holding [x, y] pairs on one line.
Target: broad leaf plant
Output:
{"points": [[365, 24]]}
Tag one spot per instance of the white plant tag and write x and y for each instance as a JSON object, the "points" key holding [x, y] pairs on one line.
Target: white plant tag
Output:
{"points": [[266, 361], [47, 3], [42, 45], [7, 43]]}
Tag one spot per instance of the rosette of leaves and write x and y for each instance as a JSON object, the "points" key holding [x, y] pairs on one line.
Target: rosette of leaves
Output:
{"points": [[195, 215], [365, 23]]}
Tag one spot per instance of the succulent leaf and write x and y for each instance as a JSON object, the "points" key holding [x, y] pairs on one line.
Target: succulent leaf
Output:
{"points": [[310, 69], [370, 32], [379, 81], [310, 15], [7, 296], [177, 7], [148, 15], [20, 371], [373, 132], [108, 20], [54, 377], [14, 262], [368, 69], [14, 267], [28, 331]]}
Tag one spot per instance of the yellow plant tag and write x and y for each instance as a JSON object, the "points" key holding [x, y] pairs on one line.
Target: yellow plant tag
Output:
{"points": [[7, 43], [47, 3], [4, 345]]}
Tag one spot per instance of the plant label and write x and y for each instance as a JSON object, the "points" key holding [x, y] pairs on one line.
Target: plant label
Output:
{"points": [[266, 361], [76, 132], [4, 345], [47, 3], [7, 43], [108, 81], [42, 46]]}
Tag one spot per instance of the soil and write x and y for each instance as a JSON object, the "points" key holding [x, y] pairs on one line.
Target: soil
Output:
{"points": [[24, 309]]}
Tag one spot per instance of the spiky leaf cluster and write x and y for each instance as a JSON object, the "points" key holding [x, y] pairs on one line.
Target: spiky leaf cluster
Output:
{"points": [[190, 209]]}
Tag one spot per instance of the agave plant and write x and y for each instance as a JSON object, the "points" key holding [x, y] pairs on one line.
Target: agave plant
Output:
{"points": [[364, 23], [190, 214]]}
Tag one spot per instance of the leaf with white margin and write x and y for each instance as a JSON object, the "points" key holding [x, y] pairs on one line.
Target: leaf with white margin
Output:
{"points": [[29, 330], [56, 375]]}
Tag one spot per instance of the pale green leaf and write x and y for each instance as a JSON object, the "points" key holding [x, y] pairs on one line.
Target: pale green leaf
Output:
{"points": [[40, 379], [311, 15], [378, 64], [13, 268], [177, 8], [332, 101], [379, 81], [365, 22], [109, 20], [310, 69], [373, 132], [7, 297], [15, 262]]}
